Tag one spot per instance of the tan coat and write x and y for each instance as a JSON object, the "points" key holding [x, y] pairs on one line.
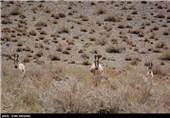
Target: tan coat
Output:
{"points": [[21, 67], [95, 71]]}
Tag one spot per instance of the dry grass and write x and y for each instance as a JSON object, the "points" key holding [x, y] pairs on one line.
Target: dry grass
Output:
{"points": [[86, 62], [33, 33], [159, 15], [53, 57], [7, 20], [46, 91], [100, 11], [116, 48], [85, 56], [39, 53], [101, 41], [113, 18], [27, 48], [63, 30], [19, 43], [59, 47], [15, 11], [165, 55], [41, 24], [70, 41], [66, 52], [160, 44]]}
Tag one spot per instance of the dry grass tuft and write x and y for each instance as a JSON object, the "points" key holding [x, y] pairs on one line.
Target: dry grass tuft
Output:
{"points": [[116, 48], [15, 11], [86, 62], [41, 24], [159, 15], [19, 43], [100, 11], [101, 41], [113, 18], [63, 30], [70, 41], [53, 57], [59, 47], [85, 56], [52, 91], [39, 53], [160, 44], [165, 55], [33, 33]]}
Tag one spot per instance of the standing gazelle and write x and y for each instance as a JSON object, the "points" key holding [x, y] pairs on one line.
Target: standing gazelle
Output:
{"points": [[18, 65], [97, 69], [150, 71]]}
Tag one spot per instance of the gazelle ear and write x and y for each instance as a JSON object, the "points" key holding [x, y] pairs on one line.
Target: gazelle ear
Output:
{"points": [[95, 56], [99, 56], [150, 64], [17, 57]]}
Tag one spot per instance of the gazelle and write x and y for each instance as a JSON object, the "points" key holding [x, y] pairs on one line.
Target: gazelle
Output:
{"points": [[150, 71], [18, 65], [96, 68]]}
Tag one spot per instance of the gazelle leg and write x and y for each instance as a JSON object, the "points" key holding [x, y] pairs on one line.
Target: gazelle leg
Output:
{"points": [[152, 74], [147, 73], [95, 81]]}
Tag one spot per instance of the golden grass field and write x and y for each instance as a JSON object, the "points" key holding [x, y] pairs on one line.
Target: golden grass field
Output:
{"points": [[57, 41]]}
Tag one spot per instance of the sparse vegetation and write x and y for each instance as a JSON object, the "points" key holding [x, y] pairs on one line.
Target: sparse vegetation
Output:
{"points": [[101, 41], [6, 20], [85, 56], [121, 26], [27, 48], [41, 24], [15, 11], [19, 43], [57, 43], [113, 18], [70, 41], [39, 53], [134, 62], [63, 30], [160, 44], [116, 48], [159, 15], [101, 11], [59, 47], [33, 33], [53, 57], [41, 37], [128, 58], [108, 28], [86, 62], [61, 15], [66, 52], [26, 60], [129, 17], [116, 96], [165, 55], [166, 32]]}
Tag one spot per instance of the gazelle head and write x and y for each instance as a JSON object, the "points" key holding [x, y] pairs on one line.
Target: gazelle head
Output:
{"points": [[16, 56], [150, 71], [96, 61]]}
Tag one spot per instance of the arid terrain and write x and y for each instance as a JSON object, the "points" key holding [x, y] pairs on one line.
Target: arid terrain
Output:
{"points": [[57, 41]]}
